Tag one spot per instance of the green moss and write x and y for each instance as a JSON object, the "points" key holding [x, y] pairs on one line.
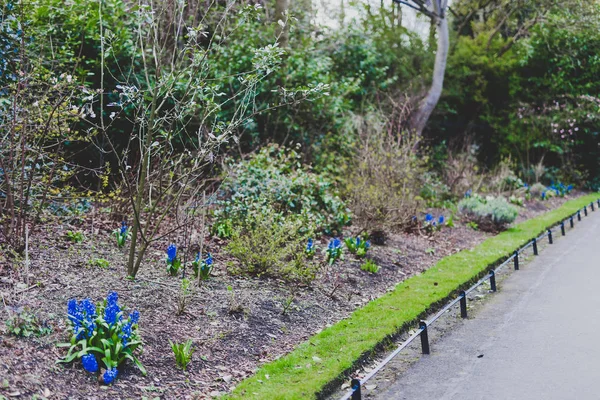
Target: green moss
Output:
{"points": [[305, 371]]}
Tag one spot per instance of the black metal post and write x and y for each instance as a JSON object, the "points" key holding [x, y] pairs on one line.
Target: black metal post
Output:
{"points": [[579, 215], [424, 337], [571, 220], [356, 395], [516, 259], [585, 210], [493, 280], [562, 228], [549, 236], [535, 251], [592, 206], [598, 203], [463, 304]]}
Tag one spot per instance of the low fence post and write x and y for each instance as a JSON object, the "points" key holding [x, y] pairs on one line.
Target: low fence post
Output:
{"points": [[535, 250], [550, 236], [585, 210], [516, 259], [355, 384], [571, 220], [579, 215], [493, 280], [562, 228], [463, 304], [592, 206], [424, 337]]}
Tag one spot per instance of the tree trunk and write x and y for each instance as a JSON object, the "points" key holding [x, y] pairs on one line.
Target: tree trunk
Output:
{"points": [[427, 105], [281, 29]]}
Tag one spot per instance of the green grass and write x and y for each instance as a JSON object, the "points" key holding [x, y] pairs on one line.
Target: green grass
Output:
{"points": [[307, 370]]}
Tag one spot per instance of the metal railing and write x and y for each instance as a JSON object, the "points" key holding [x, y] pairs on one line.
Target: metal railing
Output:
{"points": [[355, 385]]}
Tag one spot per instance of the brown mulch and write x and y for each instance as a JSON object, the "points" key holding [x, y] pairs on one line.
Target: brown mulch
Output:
{"points": [[233, 331]]}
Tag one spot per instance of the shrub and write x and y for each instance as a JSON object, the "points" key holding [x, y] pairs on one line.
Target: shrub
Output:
{"points": [[490, 214], [98, 262], [274, 181], [273, 246], [183, 353], [536, 190], [385, 183], [101, 333]]}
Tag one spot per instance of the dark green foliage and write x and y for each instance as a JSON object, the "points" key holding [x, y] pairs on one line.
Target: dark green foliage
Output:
{"points": [[274, 182]]}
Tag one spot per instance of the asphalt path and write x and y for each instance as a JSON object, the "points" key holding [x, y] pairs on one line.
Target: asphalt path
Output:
{"points": [[538, 337]]}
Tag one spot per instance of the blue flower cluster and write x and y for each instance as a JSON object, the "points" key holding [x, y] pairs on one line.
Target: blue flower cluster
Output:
{"points": [[334, 250], [431, 220], [96, 329], [126, 330], [171, 253], [82, 315], [124, 227], [112, 312]]}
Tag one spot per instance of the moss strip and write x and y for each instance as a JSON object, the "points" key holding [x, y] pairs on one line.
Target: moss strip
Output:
{"points": [[307, 370]]}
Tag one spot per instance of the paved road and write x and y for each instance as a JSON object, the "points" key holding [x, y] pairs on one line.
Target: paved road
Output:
{"points": [[539, 336]]}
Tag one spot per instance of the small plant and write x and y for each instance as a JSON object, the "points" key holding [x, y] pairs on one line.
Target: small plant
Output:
{"points": [[235, 305], [98, 262], [122, 234], [430, 251], [433, 224], [310, 248], [203, 267], [75, 236], [223, 228], [370, 266], [184, 294], [473, 225], [518, 201], [101, 333], [173, 263], [334, 251], [358, 246], [22, 322], [183, 353]]}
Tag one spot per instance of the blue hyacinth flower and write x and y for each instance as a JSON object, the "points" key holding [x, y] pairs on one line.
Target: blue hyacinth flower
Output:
{"points": [[90, 364], [543, 195], [468, 193], [123, 228], [428, 217], [109, 376], [441, 220], [171, 253], [310, 245], [209, 259]]}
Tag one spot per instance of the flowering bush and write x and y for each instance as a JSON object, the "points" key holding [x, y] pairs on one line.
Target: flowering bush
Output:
{"points": [[203, 267], [358, 246], [101, 333], [334, 251], [173, 263], [122, 234]]}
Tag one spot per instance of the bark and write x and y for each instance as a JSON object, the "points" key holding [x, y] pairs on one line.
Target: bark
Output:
{"points": [[428, 104]]}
